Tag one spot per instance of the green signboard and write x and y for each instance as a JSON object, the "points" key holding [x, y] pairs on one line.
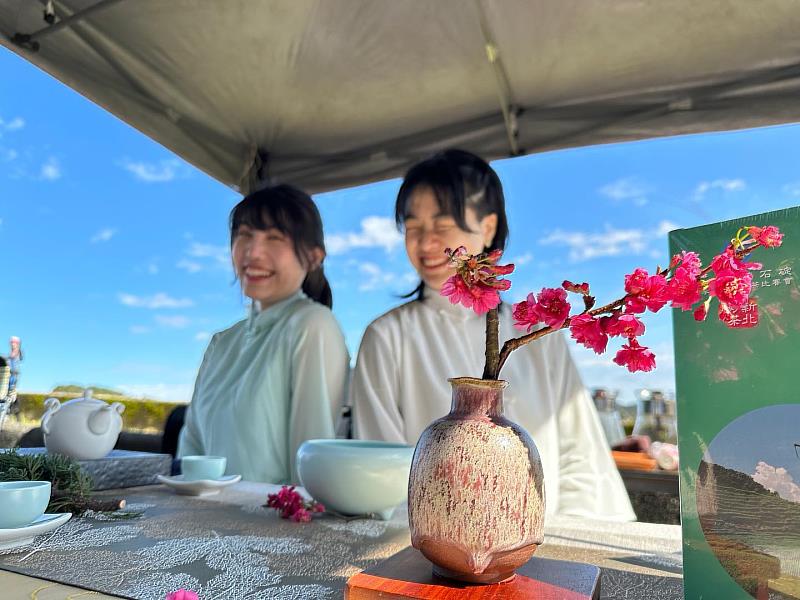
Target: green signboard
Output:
{"points": [[738, 394]]}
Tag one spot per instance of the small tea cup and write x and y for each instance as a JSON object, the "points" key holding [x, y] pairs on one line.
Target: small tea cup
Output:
{"points": [[203, 467], [22, 502]]}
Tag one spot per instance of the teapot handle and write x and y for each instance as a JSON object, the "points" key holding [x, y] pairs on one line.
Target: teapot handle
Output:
{"points": [[52, 406]]}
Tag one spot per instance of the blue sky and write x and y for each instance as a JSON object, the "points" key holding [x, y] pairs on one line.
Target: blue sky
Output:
{"points": [[115, 266]]}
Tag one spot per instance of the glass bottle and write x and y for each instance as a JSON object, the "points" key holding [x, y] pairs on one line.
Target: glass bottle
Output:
{"points": [[655, 417], [606, 405]]}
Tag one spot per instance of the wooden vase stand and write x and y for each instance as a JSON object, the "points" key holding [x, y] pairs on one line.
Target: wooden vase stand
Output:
{"points": [[408, 574]]}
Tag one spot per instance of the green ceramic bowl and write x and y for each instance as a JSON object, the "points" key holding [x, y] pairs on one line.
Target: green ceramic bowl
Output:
{"points": [[355, 477]]}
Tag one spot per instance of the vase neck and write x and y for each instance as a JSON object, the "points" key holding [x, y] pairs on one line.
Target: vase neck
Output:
{"points": [[477, 397]]}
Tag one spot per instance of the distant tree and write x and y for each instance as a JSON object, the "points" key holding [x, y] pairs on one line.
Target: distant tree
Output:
{"points": [[78, 389]]}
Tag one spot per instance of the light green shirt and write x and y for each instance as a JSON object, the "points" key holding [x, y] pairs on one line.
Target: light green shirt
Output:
{"points": [[267, 384]]}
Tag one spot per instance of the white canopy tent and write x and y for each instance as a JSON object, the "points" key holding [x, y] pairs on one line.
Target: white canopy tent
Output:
{"points": [[332, 93]]}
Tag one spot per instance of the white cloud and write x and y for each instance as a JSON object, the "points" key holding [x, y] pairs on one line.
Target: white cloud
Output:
{"points": [[664, 227], [793, 189], [8, 154], [202, 256], [161, 172], [609, 242], [220, 254], [202, 336], [139, 329], [189, 266], [173, 321], [373, 277], [180, 392], [103, 235], [159, 300], [14, 124], [152, 268], [376, 232], [626, 189], [521, 260], [726, 185], [777, 479], [51, 170]]}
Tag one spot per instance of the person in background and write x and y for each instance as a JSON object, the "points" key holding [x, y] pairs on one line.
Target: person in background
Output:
{"points": [[406, 356], [14, 358], [277, 378]]}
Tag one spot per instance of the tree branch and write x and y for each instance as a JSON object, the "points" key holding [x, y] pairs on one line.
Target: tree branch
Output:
{"points": [[491, 367]]}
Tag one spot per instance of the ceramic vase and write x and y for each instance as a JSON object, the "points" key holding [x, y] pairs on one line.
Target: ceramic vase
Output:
{"points": [[476, 490]]}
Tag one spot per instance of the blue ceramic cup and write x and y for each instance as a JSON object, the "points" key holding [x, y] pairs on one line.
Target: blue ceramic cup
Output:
{"points": [[22, 502], [356, 477], [203, 467]]}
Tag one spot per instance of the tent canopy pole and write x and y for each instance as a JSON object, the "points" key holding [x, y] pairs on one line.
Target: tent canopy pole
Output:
{"points": [[30, 41]]}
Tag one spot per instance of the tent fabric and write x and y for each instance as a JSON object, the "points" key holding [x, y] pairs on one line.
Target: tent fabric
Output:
{"points": [[332, 93]]}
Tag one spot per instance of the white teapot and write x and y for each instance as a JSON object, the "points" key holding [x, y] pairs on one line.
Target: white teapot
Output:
{"points": [[83, 428]]}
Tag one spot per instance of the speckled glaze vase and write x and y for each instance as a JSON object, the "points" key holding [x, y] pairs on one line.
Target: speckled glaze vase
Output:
{"points": [[476, 489]]}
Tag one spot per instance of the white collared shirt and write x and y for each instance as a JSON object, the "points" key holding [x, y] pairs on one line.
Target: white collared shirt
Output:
{"points": [[400, 386]]}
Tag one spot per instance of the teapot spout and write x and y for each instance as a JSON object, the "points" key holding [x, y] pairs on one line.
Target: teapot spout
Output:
{"points": [[100, 420]]}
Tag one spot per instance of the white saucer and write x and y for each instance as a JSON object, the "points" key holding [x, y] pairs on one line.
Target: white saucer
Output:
{"points": [[199, 487], [21, 536]]}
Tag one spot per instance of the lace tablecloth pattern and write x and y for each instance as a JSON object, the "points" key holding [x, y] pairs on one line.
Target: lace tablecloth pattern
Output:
{"points": [[221, 549], [229, 546]]}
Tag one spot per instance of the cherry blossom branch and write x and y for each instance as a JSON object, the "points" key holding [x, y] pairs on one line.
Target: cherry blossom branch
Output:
{"points": [[478, 282], [491, 367], [515, 343]]}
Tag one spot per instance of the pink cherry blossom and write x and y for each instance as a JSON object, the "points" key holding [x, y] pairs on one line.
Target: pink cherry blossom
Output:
{"points": [[731, 288], [484, 298], [291, 505], [636, 282], [684, 290], [689, 261], [524, 316], [635, 357], [701, 312], [457, 291], [301, 515], [769, 236], [648, 292], [626, 325], [585, 329], [476, 284], [552, 307], [181, 594], [728, 261]]}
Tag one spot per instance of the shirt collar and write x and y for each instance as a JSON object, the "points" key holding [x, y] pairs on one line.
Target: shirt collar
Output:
{"points": [[442, 305], [259, 319]]}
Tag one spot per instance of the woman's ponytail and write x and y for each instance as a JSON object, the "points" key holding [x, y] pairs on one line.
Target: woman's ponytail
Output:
{"points": [[316, 287]]}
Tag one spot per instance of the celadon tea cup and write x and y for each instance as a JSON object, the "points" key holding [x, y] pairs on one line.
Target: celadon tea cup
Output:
{"points": [[22, 502], [203, 467]]}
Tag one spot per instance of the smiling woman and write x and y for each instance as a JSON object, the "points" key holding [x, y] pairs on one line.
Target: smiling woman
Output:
{"points": [[400, 384], [275, 379]]}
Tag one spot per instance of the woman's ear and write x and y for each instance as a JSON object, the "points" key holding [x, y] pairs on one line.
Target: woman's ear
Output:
{"points": [[488, 228], [315, 258]]}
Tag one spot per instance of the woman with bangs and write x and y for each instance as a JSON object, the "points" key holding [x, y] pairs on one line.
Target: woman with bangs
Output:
{"points": [[277, 378], [407, 355]]}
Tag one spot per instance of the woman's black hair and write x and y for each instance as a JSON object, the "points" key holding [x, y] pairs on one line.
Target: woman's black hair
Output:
{"points": [[458, 180], [292, 212]]}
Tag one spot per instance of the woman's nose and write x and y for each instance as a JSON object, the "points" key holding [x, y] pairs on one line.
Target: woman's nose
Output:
{"points": [[429, 239]]}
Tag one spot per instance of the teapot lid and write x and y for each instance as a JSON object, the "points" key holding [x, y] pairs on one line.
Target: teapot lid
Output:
{"points": [[87, 397]]}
